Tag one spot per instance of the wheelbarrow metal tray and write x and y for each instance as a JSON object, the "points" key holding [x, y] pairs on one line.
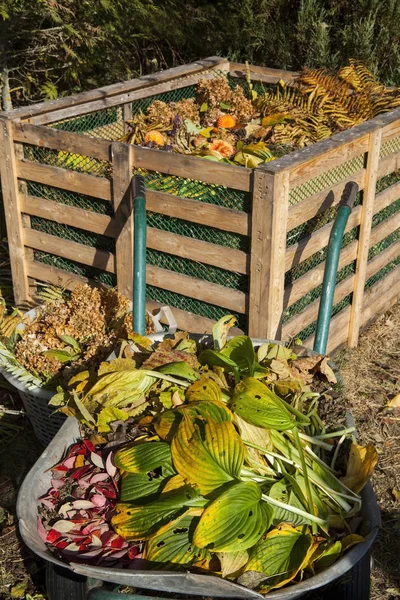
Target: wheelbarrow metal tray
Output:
{"points": [[37, 482]]}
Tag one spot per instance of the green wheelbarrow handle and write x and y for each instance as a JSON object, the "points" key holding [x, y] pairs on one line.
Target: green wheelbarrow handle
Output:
{"points": [[331, 267]]}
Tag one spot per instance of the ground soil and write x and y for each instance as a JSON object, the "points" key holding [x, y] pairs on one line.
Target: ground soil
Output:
{"points": [[371, 375]]}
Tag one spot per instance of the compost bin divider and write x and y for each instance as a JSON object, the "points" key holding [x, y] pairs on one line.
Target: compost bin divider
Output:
{"points": [[367, 212]]}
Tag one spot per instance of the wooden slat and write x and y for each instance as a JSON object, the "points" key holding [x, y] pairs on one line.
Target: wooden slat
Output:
{"points": [[185, 320], [268, 248], [196, 288], [72, 181], [12, 210], [69, 215], [181, 165], [100, 259], [198, 250], [342, 289], [389, 164], [119, 88], [391, 124], [123, 217], [318, 203], [164, 241], [367, 212], [45, 137], [301, 286], [133, 96], [297, 253], [211, 215], [378, 299], [316, 241], [127, 115], [264, 74]]}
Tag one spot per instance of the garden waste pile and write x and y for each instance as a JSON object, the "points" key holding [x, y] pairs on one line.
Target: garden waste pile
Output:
{"points": [[241, 126], [213, 459]]}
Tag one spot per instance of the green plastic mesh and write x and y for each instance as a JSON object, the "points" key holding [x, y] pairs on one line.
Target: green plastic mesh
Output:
{"points": [[71, 266], [106, 123], [389, 147], [68, 160]]}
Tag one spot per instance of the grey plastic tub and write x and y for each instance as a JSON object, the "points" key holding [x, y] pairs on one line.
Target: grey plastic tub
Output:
{"points": [[37, 482]]}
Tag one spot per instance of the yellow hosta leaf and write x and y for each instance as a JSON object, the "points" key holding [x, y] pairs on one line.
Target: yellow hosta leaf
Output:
{"points": [[204, 389], [109, 415], [207, 454], [362, 461], [280, 556], [232, 562], [221, 329], [394, 402]]}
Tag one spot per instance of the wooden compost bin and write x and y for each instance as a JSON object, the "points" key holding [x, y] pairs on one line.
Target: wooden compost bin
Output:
{"points": [[221, 238]]}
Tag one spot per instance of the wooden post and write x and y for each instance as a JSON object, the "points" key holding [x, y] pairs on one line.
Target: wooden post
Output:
{"points": [[15, 234], [367, 212], [127, 115], [267, 255], [122, 201]]}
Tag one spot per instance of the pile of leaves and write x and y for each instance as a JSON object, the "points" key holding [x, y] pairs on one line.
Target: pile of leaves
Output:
{"points": [[74, 516], [68, 332], [227, 124], [229, 469]]}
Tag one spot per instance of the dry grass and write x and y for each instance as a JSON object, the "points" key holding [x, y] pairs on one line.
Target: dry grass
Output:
{"points": [[371, 375]]}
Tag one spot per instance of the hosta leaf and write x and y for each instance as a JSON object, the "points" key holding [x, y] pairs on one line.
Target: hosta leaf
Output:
{"points": [[256, 435], [213, 357], [221, 329], [280, 556], [204, 389], [327, 554], [109, 415], [279, 491], [118, 364], [168, 422], [139, 522], [255, 403], [232, 562], [206, 453], [180, 369], [121, 388], [62, 356], [362, 461], [143, 457], [240, 349], [235, 521], [173, 545], [140, 485]]}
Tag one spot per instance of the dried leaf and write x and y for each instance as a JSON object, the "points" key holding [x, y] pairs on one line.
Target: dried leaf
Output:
{"points": [[362, 461]]}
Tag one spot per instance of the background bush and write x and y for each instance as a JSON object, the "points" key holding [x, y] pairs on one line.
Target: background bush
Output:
{"points": [[50, 48]]}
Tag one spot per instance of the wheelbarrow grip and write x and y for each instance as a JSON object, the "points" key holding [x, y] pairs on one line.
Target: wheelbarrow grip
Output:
{"points": [[331, 266]]}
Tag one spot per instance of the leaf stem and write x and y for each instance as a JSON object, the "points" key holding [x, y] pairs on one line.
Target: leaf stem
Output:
{"points": [[310, 502], [315, 441], [293, 509], [326, 436]]}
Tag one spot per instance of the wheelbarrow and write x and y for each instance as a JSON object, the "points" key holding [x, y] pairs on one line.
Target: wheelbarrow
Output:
{"points": [[346, 579]]}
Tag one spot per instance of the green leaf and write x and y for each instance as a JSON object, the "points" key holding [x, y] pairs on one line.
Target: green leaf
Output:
{"points": [[225, 106], [327, 554], [140, 522], [59, 399], [255, 403], [82, 409], [142, 457], [191, 127], [180, 369], [121, 388], [280, 491], [109, 415], [221, 329], [139, 485], [206, 453], [240, 349], [235, 521], [280, 556], [204, 389], [62, 356], [204, 107], [173, 545], [70, 341], [215, 358]]}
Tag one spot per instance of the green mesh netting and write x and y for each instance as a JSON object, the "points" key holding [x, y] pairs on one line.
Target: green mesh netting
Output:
{"points": [[108, 124]]}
